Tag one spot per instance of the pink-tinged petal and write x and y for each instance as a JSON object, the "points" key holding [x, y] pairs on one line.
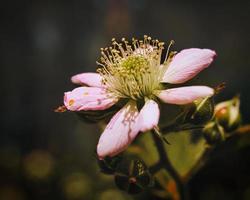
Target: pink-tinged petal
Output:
{"points": [[187, 64], [90, 79], [185, 95], [149, 116], [88, 98], [120, 132]]}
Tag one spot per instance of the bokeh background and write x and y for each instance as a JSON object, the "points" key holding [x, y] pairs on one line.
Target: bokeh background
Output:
{"points": [[46, 155]]}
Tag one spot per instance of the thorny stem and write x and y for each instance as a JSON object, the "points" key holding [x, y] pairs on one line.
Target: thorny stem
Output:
{"points": [[165, 163]]}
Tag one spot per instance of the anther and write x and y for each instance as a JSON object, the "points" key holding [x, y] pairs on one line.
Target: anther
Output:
{"points": [[172, 42]]}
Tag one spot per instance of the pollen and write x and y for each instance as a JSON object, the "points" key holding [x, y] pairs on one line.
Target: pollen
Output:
{"points": [[135, 64], [85, 94]]}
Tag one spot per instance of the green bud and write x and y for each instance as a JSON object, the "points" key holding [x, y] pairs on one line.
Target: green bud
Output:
{"points": [[200, 111], [228, 115], [213, 133], [109, 164], [132, 176]]}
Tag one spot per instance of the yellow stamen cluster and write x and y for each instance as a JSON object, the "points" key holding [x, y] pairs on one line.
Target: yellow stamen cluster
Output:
{"points": [[132, 70]]}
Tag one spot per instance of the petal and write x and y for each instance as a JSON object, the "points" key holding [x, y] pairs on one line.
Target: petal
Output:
{"points": [[90, 79], [88, 98], [149, 116], [120, 132], [187, 64], [185, 95]]}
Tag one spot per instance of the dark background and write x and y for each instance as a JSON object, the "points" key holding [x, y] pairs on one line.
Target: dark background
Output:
{"points": [[44, 43]]}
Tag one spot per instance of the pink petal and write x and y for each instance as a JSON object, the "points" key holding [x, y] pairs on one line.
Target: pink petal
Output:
{"points": [[187, 64], [120, 132], [88, 98], [185, 95], [90, 79], [149, 116]]}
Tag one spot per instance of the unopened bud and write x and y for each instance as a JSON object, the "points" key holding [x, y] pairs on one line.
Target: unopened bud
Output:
{"points": [[228, 115], [213, 133], [200, 111]]}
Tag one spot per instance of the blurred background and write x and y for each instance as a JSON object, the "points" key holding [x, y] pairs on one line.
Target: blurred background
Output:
{"points": [[46, 155]]}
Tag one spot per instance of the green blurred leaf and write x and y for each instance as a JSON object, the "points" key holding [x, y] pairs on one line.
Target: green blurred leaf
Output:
{"points": [[183, 153]]}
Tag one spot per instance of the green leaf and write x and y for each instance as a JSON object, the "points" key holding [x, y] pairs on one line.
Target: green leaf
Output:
{"points": [[183, 153]]}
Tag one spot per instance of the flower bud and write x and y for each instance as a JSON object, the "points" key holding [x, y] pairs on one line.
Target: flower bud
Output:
{"points": [[200, 111], [108, 165], [213, 133], [132, 176], [228, 115]]}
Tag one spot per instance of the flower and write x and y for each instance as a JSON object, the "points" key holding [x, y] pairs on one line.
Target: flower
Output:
{"points": [[135, 72]]}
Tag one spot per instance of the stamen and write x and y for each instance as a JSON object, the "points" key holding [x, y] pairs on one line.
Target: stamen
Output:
{"points": [[170, 44], [131, 71]]}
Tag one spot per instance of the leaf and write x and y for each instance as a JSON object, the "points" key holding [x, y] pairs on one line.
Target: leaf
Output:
{"points": [[183, 153]]}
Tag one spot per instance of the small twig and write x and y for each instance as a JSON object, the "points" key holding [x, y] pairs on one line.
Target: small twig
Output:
{"points": [[242, 130], [171, 128]]}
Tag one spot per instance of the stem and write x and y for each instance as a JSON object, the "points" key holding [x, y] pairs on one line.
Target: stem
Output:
{"points": [[155, 168], [166, 164], [174, 128]]}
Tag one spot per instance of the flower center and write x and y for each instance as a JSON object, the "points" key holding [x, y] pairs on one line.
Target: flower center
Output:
{"points": [[132, 71], [135, 65]]}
